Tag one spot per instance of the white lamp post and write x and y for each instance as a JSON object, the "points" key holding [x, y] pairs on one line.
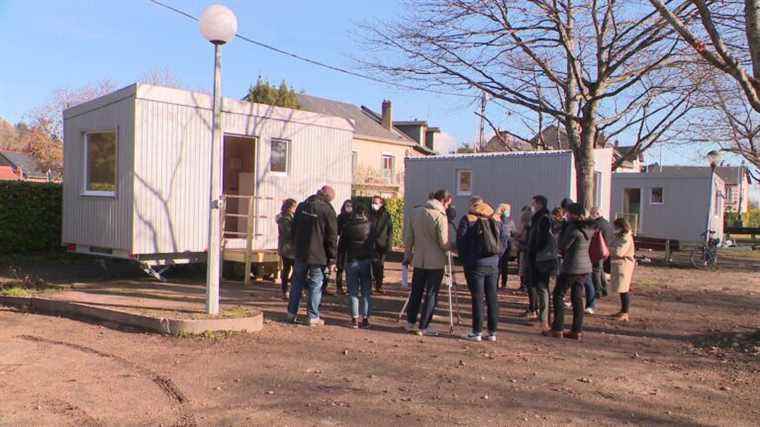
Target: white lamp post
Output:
{"points": [[218, 25], [713, 157]]}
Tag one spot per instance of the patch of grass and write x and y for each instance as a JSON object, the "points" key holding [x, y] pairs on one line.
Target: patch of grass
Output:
{"points": [[236, 312], [15, 291]]}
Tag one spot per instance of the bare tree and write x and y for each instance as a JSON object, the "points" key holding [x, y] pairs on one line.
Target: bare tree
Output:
{"points": [[728, 121], [599, 65], [725, 33], [162, 77]]}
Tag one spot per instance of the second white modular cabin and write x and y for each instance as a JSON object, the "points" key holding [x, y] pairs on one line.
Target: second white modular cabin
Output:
{"points": [[137, 167], [673, 204], [511, 177]]}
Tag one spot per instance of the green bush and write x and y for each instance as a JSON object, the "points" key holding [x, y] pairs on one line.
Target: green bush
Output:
{"points": [[395, 208], [30, 217], [750, 219]]}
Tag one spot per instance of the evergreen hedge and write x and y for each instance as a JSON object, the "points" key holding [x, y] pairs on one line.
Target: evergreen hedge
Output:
{"points": [[30, 217], [395, 208]]}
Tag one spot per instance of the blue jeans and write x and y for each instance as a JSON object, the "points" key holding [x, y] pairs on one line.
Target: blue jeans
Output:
{"points": [[590, 292], [359, 276], [311, 276], [482, 282]]}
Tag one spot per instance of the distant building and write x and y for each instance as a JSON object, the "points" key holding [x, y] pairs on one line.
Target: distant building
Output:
{"points": [[738, 182], [631, 164], [17, 166], [380, 144], [555, 138]]}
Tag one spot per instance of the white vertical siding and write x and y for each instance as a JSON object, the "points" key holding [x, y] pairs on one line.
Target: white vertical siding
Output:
{"points": [[171, 178], [318, 156], [99, 221], [172, 171], [513, 178], [684, 213]]}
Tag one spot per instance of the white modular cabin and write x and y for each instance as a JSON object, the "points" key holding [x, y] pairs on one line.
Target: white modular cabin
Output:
{"points": [[673, 204], [508, 177], [137, 171]]}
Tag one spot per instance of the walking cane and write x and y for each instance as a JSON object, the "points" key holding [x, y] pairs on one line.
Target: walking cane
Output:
{"points": [[456, 292], [450, 283], [404, 284]]}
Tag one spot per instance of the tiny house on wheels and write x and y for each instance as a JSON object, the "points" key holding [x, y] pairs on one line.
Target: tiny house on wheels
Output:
{"points": [[511, 177], [137, 168]]}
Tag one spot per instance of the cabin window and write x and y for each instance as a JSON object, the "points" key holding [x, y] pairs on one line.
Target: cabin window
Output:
{"points": [[388, 167], [464, 182], [278, 160], [657, 196], [100, 163]]}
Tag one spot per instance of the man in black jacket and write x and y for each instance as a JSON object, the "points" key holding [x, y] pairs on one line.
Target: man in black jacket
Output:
{"points": [[315, 233], [542, 258], [382, 227]]}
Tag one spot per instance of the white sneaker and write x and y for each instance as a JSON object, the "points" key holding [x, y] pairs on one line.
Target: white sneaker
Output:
{"points": [[429, 332], [316, 322], [589, 310], [473, 336], [411, 327], [491, 336]]}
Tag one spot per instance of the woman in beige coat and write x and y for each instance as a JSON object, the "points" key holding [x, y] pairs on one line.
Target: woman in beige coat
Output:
{"points": [[622, 259]]}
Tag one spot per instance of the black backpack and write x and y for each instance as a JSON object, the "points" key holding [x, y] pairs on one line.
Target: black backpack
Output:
{"points": [[488, 233]]}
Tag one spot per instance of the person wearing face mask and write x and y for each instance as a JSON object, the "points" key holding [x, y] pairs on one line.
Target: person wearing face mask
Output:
{"points": [[504, 219], [346, 211], [427, 242], [382, 235]]}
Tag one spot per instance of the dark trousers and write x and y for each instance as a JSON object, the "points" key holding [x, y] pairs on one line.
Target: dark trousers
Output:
{"points": [[425, 283], [625, 302], [378, 269], [482, 282], [541, 273], [287, 268], [575, 282], [504, 269], [599, 279]]}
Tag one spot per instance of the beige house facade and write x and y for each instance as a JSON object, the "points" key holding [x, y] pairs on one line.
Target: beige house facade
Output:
{"points": [[379, 146]]}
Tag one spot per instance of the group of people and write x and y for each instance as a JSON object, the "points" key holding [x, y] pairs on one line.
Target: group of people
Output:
{"points": [[314, 241], [568, 246]]}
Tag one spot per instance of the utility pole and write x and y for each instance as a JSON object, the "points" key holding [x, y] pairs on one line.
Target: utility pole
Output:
{"points": [[481, 144]]}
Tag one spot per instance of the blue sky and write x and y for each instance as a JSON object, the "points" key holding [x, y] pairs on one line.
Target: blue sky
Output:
{"points": [[73, 42]]}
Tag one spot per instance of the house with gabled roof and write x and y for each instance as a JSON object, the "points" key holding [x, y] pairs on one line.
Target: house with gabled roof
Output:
{"points": [[18, 166], [380, 144]]}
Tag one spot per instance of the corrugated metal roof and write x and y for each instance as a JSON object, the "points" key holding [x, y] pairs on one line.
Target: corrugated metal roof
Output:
{"points": [[365, 120], [679, 171], [25, 161], [545, 153]]}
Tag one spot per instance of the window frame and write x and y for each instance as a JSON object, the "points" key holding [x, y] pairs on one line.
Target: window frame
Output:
{"points": [[459, 173], [390, 179], [288, 144], [86, 169], [651, 196]]}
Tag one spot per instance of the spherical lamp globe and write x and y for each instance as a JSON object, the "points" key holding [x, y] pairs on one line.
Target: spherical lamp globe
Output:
{"points": [[218, 24]]}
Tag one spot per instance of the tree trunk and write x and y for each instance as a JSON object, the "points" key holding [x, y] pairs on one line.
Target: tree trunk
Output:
{"points": [[584, 156], [752, 13]]}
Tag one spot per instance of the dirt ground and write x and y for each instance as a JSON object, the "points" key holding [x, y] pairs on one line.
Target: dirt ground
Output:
{"points": [[686, 358]]}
